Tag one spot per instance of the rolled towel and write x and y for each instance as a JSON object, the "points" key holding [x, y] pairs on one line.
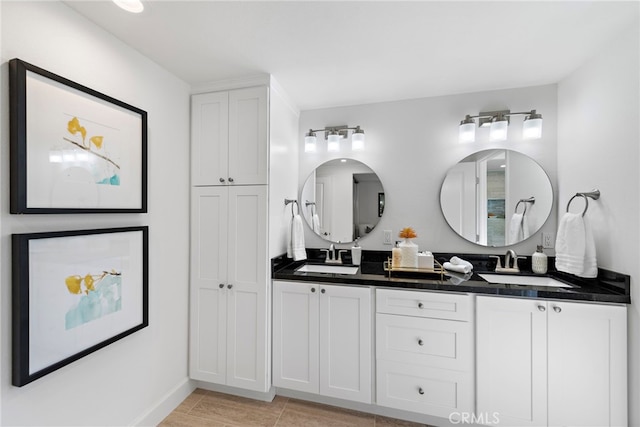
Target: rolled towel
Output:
{"points": [[459, 261], [458, 268]]}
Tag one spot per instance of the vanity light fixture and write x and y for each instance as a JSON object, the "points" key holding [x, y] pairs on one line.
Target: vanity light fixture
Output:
{"points": [[333, 135], [498, 122], [133, 6]]}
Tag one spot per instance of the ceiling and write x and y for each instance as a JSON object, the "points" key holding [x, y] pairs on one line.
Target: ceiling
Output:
{"points": [[334, 53]]}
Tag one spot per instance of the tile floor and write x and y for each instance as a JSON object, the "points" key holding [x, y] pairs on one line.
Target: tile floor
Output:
{"points": [[211, 409]]}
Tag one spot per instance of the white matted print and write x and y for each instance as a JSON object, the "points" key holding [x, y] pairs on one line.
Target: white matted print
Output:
{"points": [[75, 292], [74, 149]]}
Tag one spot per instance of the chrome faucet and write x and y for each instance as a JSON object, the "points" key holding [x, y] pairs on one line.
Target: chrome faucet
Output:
{"points": [[510, 262], [331, 257], [511, 259]]}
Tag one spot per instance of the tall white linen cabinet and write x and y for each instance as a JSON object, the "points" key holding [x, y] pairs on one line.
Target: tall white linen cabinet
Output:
{"points": [[231, 193]]}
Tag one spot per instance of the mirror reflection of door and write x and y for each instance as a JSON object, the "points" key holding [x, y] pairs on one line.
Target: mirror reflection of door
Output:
{"points": [[345, 196], [480, 195]]}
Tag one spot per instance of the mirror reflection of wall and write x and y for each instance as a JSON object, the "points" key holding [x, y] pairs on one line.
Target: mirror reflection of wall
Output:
{"points": [[340, 200], [482, 197]]}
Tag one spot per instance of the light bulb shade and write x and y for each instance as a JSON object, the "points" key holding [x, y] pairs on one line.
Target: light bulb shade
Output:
{"points": [[357, 140], [467, 132], [498, 130], [532, 128], [133, 6], [310, 143], [333, 142]]}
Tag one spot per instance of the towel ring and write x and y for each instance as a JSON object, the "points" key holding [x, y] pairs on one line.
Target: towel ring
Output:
{"points": [[595, 195], [292, 201], [525, 201]]}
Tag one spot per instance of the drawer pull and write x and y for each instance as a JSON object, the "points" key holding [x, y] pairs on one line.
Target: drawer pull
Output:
{"points": [[313, 289], [420, 305], [557, 309], [221, 285], [420, 390], [323, 290], [420, 342], [541, 308]]}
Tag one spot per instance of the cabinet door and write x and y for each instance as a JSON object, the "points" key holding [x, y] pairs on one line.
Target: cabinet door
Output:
{"points": [[345, 343], [209, 138], [208, 284], [587, 364], [296, 336], [247, 282], [248, 136], [511, 360]]}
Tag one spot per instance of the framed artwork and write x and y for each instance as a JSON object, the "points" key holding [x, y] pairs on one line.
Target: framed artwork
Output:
{"points": [[380, 204], [73, 149], [75, 292]]}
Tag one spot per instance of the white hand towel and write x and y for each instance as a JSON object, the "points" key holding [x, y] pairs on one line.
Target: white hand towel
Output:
{"points": [[515, 229], [525, 227], [315, 223], [295, 240], [575, 247], [459, 261], [458, 268]]}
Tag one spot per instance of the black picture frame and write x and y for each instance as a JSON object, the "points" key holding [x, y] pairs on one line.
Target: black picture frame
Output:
{"points": [[380, 204], [103, 273], [55, 169]]}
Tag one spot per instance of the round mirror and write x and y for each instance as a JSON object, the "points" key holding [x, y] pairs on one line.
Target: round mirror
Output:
{"points": [[342, 200], [496, 197]]}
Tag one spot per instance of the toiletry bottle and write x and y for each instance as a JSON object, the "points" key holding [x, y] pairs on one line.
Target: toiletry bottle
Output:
{"points": [[356, 253], [396, 257], [539, 261]]}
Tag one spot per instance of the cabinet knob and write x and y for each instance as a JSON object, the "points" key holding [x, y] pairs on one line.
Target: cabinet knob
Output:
{"points": [[313, 289], [420, 390], [557, 309], [420, 305], [420, 342], [229, 286], [323, 290], [541, 308], [221, 179], [230, 179], [221, 285]]}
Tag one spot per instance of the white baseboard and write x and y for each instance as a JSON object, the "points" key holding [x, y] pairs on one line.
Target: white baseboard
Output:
{"points": [[166, 404]]}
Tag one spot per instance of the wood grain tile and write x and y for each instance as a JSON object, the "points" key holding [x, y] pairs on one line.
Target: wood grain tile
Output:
{"points": [[177, 419], [190, 401], [393, 422], [299, 412]]}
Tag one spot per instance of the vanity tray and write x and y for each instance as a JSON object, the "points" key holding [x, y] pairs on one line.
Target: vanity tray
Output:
{"points": [[436, 272]]}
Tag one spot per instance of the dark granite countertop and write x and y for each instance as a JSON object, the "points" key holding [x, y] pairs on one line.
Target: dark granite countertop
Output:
{"points": [[608, 287]]}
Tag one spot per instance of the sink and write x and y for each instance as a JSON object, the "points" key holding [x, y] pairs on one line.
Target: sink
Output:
{"points": [[334, 269], [511, 279]]}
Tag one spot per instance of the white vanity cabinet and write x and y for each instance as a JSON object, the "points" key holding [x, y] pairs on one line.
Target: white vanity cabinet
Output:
{"points": [[229, 140], [424, 351], [229, 273], [322, 339], [551, 363]]}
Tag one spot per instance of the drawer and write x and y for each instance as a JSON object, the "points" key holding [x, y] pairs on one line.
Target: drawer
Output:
{"points": [[425, 304], [436, 343], [416, 388]]}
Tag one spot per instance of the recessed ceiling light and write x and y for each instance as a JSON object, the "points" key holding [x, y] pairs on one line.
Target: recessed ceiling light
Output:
{"points": [[133, 6]]}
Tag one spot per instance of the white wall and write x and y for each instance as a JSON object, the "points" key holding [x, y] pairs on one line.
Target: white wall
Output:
{"points": [[412, 144], [598, 147], [120, 383]]}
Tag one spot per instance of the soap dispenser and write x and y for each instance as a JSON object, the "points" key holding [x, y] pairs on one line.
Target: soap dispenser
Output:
{"points": [[396, 256], [539, 261], [356, 253]]}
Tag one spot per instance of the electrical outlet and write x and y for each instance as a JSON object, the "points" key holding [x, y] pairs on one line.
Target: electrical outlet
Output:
{"points": [[386, 240], [547, 240]]}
